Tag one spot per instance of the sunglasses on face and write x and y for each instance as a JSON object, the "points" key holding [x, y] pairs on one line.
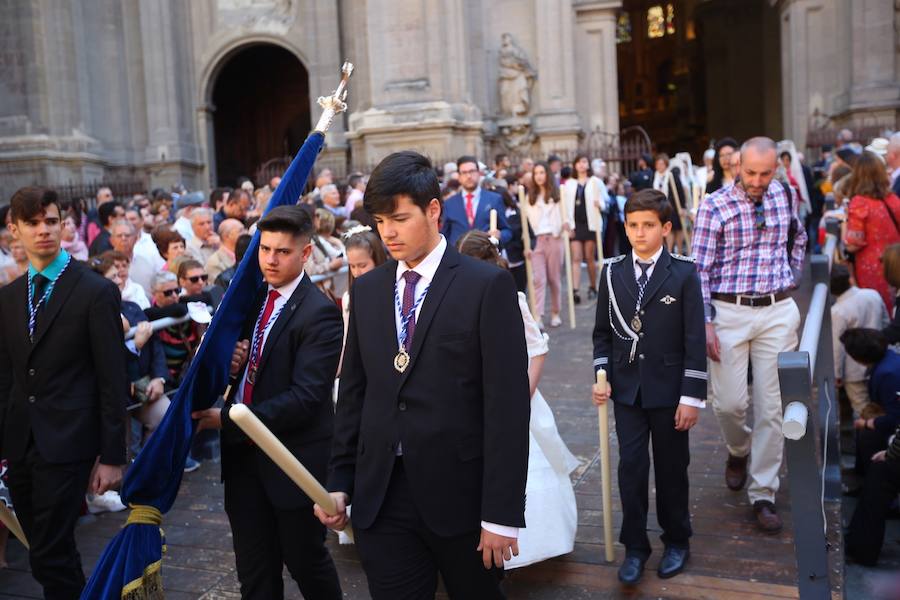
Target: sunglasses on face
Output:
{"points": [[168, 293], [197, 278], [759, 215]]}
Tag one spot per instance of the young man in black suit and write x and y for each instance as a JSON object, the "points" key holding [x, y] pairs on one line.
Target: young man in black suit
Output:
{"points": [[431, 428], [284, 372], [650, 337], [62, 390]]}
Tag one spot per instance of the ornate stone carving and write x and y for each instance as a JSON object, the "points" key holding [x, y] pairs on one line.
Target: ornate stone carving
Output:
{"points": [[516, 135], [516, 78]]}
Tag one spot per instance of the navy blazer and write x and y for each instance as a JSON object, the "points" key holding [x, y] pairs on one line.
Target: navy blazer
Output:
{"points": [[455, 222], [884, 385], [151, 359], [670, 357]]}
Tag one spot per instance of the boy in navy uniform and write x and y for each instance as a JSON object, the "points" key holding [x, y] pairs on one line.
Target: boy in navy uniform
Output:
{"points": [[650, 337]]}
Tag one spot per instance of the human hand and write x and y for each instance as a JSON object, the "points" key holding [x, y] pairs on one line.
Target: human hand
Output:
{"points": [[239, 356], [713, 349], [105, 478], [155, 389], [142, 334], [600, 395], [879, 456], [211, 418], [686, 417], [213, 240], [338, 521], [527, 253], [496, 548], [860, 423], [494, 233]]}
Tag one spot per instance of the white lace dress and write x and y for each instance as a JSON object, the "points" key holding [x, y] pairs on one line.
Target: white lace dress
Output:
{"points": [[551, 516]]}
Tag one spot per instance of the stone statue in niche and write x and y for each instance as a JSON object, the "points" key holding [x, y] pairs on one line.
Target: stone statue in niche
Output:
{"points": [[516, 78]]}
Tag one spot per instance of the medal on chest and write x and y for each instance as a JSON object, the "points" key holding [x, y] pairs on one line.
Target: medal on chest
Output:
{"points": [[401, 361], [636, 323]]}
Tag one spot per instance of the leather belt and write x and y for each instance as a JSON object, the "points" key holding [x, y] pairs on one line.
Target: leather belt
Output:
{"points": [[751, 301]]}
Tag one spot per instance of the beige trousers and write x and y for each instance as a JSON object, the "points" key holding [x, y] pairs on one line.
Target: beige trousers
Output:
{"points": [[858, 394], [754, 335]]}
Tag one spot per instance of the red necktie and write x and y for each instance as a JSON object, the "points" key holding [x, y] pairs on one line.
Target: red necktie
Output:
{"points": [[256, 346], [470, 211]]}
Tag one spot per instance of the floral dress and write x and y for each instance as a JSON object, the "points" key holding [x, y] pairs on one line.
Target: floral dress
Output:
{"points": [[870, 227]]}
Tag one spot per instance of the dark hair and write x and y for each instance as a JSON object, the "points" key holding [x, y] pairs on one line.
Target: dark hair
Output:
{"points": [[236, 195], [466, 159], [890, 261], [478, 244], [186, 265], [565, 172], [287, 219], [839, 281], [354, 180], [785, 153], [650, 199], [404, 173], [102, 263], [217, 194], [106, 211], [866, 346], [840, 172], [575, 160], [869, 178], [241, 245], [497, 159], [371, 243], [718, 173], [550, 189], [31, 201], [163, 236], [553, 158]]}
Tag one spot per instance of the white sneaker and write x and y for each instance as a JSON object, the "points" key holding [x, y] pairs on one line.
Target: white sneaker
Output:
{"points": [[555, 321], [107, 502]]}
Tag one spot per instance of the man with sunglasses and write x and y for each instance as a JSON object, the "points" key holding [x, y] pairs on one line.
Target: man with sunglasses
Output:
{"points": [[749, 245]]}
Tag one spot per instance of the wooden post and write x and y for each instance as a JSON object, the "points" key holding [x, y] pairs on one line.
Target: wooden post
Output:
{"points": [[526, 239], [605, 482], [570, 292]]}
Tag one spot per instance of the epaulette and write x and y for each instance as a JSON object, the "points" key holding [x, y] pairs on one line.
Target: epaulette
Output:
{"points": [[682, 257], [614, 259]]}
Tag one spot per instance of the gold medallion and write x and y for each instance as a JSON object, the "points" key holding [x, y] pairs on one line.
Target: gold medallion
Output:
{"points": [[401, 361], [636, 323]]}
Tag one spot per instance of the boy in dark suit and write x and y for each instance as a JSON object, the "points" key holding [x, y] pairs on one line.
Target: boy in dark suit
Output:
{"points": [[284, 372], [649, 336]]}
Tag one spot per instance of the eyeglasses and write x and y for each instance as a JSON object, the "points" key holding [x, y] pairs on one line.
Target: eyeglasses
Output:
{"points": [[197, 278], [759, 214], [168, 293]]}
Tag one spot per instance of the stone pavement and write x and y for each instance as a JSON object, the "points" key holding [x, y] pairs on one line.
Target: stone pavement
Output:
{"points": [[730, 558]]}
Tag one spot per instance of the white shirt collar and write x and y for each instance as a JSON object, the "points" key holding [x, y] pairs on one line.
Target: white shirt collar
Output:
{"points": [[654, 259], [429, 266], [287, 290]]}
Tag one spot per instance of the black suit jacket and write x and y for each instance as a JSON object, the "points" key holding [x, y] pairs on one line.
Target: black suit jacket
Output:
{"points": [[293, 393], [68, 389], [460, 409], [670, 358]]}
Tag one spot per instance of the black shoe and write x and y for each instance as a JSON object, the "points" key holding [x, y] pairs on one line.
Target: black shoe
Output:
{"points": [[673, 562], [631, 570], [576, 297]]}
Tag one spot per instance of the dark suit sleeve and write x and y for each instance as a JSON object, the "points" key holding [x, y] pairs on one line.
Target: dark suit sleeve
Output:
{"points": [[892, 331], [312, 378], [158, 369], [693, 381], [348, 413], [602, 331], [507, 404], [109, 360]]}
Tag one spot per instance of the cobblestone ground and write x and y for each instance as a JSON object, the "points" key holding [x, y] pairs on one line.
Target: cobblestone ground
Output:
{"points": [[729, 558]]}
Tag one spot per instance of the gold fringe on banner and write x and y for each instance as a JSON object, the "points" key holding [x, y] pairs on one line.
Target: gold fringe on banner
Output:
{"points": [[149, 585]]}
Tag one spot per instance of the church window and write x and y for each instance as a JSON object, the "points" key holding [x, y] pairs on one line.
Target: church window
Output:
{"points": [[656, 22]]}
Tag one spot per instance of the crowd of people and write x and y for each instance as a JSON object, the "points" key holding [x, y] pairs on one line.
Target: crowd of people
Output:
{"points": [[733, 231]]}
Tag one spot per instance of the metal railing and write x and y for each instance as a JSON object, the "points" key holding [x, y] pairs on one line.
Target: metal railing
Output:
{"points": [[806, 377]]}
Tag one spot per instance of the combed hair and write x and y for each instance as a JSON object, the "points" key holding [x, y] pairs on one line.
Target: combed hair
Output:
{"points": [[287, 219], [106, 211], [186, 265], [404, 173], [161, 278], [478, 244], [164, 235], [839, 281], [650, 199], [866, 346], [31, 201]]}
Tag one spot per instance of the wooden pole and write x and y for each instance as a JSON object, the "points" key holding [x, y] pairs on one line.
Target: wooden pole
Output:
{"points": [[281, 456], [605, 481], [570, 292], [526, 239], [12, 523]]}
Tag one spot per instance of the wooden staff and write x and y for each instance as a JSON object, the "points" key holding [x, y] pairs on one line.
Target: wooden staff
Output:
{"points": [[244, 418], [12, 523], [605, 482], [684, 226], [526, 240], [570, 292]]}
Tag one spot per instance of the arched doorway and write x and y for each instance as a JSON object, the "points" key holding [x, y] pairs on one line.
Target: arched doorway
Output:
{"points": [[262, 110]]}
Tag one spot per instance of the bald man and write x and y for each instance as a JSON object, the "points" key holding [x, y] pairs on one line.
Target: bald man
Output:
{"points": [[223, 258]]}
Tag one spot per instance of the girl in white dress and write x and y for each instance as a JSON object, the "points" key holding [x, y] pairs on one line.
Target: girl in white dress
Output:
{"points": [[551, 516]]}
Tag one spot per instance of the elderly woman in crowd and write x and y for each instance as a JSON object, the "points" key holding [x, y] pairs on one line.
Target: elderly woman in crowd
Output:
{"points": [[170, 245]]}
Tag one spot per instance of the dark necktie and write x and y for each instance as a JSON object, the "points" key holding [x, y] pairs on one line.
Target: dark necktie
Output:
{"points": [[40, 286], [642, 280], [256, 346], [409, 299]]}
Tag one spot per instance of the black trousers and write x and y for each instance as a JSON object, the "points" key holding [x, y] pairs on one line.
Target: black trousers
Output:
{"points": [[266, 539], [48, 498], [635, 428], [520, 276], [866, 535], [402, 557], [868, 442]]}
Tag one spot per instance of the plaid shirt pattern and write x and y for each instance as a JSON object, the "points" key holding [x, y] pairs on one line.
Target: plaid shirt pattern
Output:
{"points": [[734, 256]]}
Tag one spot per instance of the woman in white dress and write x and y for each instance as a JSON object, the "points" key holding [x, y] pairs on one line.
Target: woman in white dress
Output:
{"points": [[551, 516]]}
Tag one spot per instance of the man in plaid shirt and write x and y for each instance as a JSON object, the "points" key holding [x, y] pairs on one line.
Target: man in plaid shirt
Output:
{"points": [[746, 271]]}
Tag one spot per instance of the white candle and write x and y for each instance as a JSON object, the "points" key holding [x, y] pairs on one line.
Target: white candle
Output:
{"points": [[493, 219]]}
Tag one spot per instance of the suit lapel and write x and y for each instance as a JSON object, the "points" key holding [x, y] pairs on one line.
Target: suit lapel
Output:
{"points": [[64, 286], [625, 273], [286, 313], [385, 311], [483, 208], [439, 286], [20, 311], [660, 274]]}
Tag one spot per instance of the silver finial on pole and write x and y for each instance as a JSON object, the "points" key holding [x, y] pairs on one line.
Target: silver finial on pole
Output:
{"points": [[335, 103]]}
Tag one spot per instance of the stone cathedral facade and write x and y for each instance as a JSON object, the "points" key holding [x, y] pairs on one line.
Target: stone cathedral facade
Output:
{"points": [[202, 91]]}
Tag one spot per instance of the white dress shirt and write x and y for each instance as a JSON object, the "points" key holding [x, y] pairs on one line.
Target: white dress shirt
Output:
{"points": [[545, 218], [686, 400], [427, 269], [285, 292]]}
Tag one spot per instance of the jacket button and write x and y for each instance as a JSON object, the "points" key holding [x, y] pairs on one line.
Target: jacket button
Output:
{"points": [[642, 312], [31, 399], [641, 334], [31, 372], [641, 356], [402, 406]]}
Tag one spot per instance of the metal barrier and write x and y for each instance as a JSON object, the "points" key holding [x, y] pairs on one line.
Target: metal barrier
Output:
{"points": [[813, 459]]}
